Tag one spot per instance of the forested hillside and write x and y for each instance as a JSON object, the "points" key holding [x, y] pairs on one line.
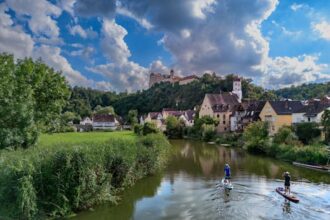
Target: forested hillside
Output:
{"points": [[163, 95], [304, 91]]}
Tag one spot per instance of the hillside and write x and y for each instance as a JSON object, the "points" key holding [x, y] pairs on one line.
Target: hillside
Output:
{"points": [[163, 95], [304, 91]]}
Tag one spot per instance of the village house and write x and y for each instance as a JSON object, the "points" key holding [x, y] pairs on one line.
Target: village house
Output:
{"points": [[245, 114], [156, 118], [312, 112], [222, 106], [279, 113], [159, 118], [86, 121], [187, 116], [105, 122]]}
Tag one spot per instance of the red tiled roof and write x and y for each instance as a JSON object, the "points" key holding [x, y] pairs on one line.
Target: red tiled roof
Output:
{"points": [[223, 102], [189, 77], [104, 118]]}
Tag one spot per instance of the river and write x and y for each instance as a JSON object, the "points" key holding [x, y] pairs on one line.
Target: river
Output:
{"points": [[189, 188]]}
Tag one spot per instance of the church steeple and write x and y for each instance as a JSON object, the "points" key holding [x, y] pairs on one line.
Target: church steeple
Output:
{"points": [[237, 88]]}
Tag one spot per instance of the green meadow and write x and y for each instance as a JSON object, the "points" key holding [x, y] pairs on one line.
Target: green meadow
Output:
{"points": [[83, 137]]}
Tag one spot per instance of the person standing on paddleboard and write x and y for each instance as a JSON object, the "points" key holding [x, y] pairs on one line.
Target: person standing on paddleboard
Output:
{"points": [[227, 172], [287, 179]]}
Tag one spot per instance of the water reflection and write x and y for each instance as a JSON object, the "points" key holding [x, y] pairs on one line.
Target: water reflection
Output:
{"points": [[190, 188]]}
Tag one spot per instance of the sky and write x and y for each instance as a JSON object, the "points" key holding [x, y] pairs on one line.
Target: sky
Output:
{"points": [[115, 44]]}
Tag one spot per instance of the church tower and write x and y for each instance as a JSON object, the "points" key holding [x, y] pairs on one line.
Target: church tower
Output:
{"points": [[237, 88]]}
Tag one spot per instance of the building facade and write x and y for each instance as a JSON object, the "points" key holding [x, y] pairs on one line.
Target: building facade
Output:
{"points": [[155, 78], [279, 114]]}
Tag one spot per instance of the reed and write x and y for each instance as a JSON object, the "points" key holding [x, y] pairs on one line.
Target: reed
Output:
{"points": [[64, 177]]}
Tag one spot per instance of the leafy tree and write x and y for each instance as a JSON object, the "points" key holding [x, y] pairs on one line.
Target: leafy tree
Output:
{"points": [[284, 135], [208, 132], [104, 110], [32, 97], [326, 125], [132, 117], [256, 137], [70, 117], [17, 106], [174, 127], [307, 132], [149, 128]]}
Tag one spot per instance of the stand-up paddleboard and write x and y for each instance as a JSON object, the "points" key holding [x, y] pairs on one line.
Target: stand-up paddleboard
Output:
{"points": [[292, 198], [227, 184]]}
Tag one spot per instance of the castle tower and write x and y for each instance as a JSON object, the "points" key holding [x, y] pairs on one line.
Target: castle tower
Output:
{"points": [[237, 88], [172, 74]]}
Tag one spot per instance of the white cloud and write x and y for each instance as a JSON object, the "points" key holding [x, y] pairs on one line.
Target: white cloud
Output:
{"points": [[85, 53], [157, 66], [113, 44], [296, 7], [12, 38], [78, 30], [41, 14], [122, 73], [67, 5], [285, 31], [323, 29], [286, 71]]}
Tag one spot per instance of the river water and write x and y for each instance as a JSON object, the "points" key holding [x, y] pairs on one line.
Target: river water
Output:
{"points": [[190, 188]]}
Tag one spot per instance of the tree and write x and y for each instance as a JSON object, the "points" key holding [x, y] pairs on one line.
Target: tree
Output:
{"points": [[50, 91], [326, 125], [132, 117], [256, 137], [174, 127], [284, 135], [307, 132], [149, 128], [208, 132], [32, 97], [17, 106], [104, 110]]}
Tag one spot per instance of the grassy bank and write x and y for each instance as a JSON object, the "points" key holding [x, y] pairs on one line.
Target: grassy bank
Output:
{"points": [[69, 172]]}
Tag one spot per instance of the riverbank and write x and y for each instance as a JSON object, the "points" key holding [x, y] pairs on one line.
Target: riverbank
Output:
{"points": [[66, 173], [315, 154], [189, 188]]}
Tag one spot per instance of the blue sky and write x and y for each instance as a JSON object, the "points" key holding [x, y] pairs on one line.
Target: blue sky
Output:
{"points": [[115, 44]]}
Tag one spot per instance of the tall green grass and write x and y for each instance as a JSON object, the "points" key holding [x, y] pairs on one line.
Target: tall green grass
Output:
{"points": [[58, 178]]}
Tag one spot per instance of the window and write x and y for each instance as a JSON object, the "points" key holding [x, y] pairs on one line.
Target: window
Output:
{"points": [[218, 116], [224, 122], [309, 119]]}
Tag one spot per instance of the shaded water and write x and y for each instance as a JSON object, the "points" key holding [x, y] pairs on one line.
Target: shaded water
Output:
{"points": [[189, 188]]}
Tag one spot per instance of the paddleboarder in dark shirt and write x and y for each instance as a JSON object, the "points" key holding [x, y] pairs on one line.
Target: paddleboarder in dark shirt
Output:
{"points": [[287, 179]]}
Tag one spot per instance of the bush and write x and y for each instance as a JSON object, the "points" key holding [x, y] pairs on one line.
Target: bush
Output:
{"points": [[53, 181], [149, 128], [138, 129], [285, 135], [307, 132], [208, 132], [256, 137], [174, 127], [234, 139]]}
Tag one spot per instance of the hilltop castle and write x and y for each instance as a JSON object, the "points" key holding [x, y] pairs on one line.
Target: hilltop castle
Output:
{"points": [[158, 77]]}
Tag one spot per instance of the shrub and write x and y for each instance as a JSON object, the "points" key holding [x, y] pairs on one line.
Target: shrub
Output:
{"points": [[60, 179], [149, 128], [256, 137], [284, 135], [174, 127], [307, 132], [138, 129], [208, 132]]}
